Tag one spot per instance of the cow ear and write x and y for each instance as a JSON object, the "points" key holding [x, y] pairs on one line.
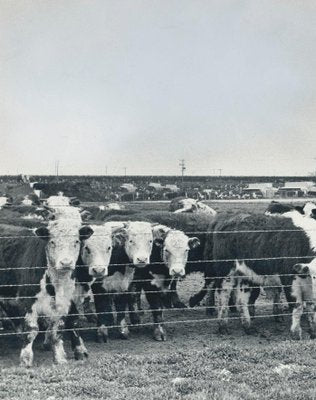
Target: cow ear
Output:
{"points": [[313, 212], [194, 242], [159, 234], [300, 209], [301, 268], [119, 236], [42, 232], [85, 232]]}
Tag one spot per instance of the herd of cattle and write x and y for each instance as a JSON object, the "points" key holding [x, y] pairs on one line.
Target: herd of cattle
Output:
{"points": [[48, 273]]}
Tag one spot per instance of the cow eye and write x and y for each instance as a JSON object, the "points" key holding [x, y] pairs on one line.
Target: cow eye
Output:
{"points": [[109, 248], [131, 241], [150, 241], [88, 250], [77, 241], [52, 243]]}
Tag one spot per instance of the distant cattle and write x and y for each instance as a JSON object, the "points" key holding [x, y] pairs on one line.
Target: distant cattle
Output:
{"points": [[186, 205], [276, 208], [38, 279]]}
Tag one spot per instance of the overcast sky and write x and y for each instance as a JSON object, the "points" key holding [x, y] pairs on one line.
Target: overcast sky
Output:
{"points": [[141, 84]]}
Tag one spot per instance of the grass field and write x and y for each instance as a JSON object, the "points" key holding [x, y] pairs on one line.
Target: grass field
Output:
{"points": [[194, 363]]}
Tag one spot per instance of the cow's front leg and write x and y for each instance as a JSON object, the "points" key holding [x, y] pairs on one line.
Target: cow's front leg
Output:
{"points": [[296, 330], [156, 305], [31, 332], [104, 309], [243, 293], [77, 343], [57, 342], [121, 302]]}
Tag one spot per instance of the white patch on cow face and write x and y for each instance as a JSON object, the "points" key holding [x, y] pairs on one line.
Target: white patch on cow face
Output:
{"points": [[306, 223], [3, 201], [138, 242], [63, 244], [175, 252], [96, 251]]}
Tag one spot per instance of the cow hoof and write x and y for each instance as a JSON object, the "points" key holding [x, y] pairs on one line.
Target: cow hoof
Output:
{"points": [[26, 359], [250, 330], [47, 346], [102, 335], [123, 334], [296, 335], [160, 334], [223, 330], [80, 355], [312, 335], [179, 304]]}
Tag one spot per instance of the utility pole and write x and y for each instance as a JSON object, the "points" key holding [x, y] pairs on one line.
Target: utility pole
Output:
{"points": [[220, 171], [56, 167], [183, 168], [125, 171], [106, 170]]}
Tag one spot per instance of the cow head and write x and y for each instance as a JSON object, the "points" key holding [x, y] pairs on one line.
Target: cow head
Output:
{"points": [[307, 271], [96, 249], [137, 239], [309, 210], [175, 247], [62, 243]]}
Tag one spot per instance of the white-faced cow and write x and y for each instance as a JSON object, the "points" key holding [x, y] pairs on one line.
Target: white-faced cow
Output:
{"points": [[132, 249], [167, 264], [40, 272]]}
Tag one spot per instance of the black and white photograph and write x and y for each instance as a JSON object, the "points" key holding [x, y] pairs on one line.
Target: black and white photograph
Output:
{"points": [[157, 199]]}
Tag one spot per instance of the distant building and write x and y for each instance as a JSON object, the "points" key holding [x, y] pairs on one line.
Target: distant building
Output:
{"points": [[172, 188], [128, 187], [155, 186], [295, 189], [259, 190]]}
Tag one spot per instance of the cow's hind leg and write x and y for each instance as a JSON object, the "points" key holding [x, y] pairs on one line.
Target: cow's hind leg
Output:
{"points": [[311, 317], [223, 299], [296, 330], [31, 332], [243, 293]]}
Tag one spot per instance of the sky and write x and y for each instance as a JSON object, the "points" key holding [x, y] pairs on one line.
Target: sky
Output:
{"points": [[103, 85]]}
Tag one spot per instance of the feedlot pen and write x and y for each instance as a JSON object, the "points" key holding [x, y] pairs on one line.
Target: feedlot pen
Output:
{"points": [[196, 362]]}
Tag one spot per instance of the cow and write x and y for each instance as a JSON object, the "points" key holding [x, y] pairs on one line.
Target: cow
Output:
{"points": [[167, 263], [133, 242], [245, 249], [277, 209], [187, 205], [39, 279], [304, 292]]}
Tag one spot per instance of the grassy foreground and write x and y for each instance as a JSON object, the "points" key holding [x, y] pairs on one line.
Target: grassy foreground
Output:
{"points": [[283, 370]]}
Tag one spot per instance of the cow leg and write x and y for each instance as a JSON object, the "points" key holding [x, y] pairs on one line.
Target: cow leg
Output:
{"points": [[31, 327], [121, 302], [296, 330], [210, 300], [77, 343], [156, 305], [224, 295], [277, 307], [104, 310], [133, 300], [198, 297], [254, 294], [243, 293], [175, 300], [311, 317]]}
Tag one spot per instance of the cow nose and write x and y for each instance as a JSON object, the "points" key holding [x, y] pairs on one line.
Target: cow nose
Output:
{"points": [[141, 260], [177, 273], [66, 262], [98, 271]]}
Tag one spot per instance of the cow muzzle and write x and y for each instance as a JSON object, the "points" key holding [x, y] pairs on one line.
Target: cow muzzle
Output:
{"points": [[98, 272], [177, 273], [66, 265], [141, 262]]}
